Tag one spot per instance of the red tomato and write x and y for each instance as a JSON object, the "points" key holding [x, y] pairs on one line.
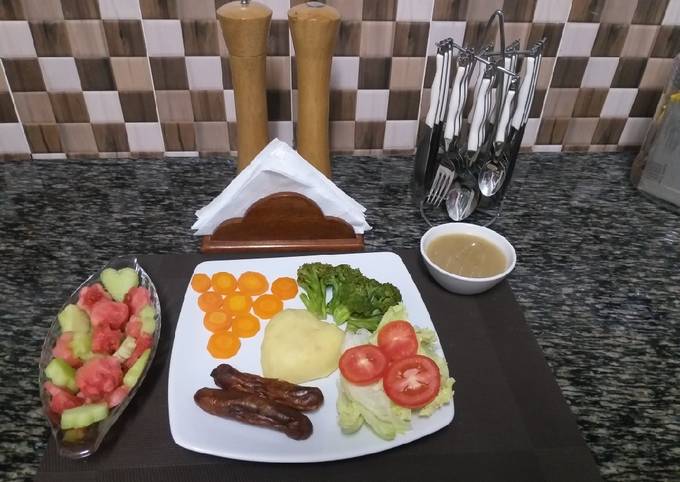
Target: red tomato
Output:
{"points": [[397, 340], [363, 364], [412, 382]]}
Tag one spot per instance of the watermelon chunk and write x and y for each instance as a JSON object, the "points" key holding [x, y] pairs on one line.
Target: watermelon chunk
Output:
{"points": [[111, 313], [63, 350], [117, 396], [106, 340], [134, 327], [98, 377], [143, 343], [137, 298], [91, 295], [60, 399]]}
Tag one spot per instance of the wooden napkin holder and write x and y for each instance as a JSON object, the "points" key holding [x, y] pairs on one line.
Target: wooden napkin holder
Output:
{"points": [[285, 221]]}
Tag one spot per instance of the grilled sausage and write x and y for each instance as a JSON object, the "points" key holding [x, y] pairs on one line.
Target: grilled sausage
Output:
{"points": [[255, 410], [289, 394]]}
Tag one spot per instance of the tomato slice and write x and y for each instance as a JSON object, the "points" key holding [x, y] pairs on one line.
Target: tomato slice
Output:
{"points": [[397, 340], [363, 364], [412, 382]]}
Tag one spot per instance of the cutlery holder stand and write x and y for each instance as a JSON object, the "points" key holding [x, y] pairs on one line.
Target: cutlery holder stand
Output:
{"points": [[473, 161]]}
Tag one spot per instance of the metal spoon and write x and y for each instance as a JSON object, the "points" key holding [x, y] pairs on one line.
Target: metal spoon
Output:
{"points": [[463, 198]]}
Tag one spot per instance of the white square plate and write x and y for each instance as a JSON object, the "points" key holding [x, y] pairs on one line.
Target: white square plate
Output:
{"points": [[191, 364]]}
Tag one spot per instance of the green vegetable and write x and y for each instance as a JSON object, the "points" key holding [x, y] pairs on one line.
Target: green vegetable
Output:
{"points": [[369, 404], [119, 282], [61, 374], [73, 319], [84, 415], [356, 300], [148, 317], [313, 279], [135, 371], [427, 340], [358, 404], [81, 345], [126, 348]]}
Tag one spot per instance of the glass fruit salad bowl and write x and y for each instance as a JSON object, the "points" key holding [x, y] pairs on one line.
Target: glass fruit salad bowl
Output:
{"points": [[97, 353]]}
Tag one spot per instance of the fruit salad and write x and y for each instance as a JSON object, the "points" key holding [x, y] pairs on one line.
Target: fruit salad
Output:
{"points": [[105, 339]]}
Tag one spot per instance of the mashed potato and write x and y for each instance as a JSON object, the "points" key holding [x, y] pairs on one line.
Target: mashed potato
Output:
{"points": [[298, 347]]}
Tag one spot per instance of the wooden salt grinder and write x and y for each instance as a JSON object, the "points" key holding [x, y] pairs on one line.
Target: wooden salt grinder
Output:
{"points": [[245, 26], [314, 27]]}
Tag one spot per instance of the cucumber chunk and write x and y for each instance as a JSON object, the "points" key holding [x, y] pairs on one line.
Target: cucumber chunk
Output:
{"points": [[61, 374], [125, 349], [135, 371], [147, 312], [73, 319], [118, 282], [84, 415], [148, 317], [148, 325], [81, 345]]}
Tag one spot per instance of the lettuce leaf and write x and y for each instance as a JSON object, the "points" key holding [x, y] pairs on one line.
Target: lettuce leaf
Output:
{"points": [[427, 341], [369, 404]]}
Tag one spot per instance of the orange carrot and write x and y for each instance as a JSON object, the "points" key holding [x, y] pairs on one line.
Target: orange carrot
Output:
{"points": [[216, 321], [237, 303], [285, 288], [252, 283], [266, 306], [246, 325], [209, 301], [200, 282], [223, 344], [224, 283]]}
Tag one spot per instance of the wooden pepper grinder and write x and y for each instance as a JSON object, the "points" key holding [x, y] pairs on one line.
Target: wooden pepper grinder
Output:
{"points": [[245, 26], [314, 27]]}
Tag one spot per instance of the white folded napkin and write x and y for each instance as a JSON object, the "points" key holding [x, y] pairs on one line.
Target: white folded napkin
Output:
{"points": [[278, 168]]}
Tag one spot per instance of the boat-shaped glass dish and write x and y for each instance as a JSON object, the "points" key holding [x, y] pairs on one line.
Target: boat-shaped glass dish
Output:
{"points": [[80, 443]]}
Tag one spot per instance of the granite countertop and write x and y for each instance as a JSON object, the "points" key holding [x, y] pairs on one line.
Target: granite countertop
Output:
{"points": [[597, 276]]}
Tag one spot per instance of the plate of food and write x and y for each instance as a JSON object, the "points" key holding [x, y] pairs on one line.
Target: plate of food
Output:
{"points": [[305, 359], [97, 353]]}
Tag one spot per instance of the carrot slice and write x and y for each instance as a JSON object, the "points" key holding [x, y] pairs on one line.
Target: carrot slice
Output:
{"points": [[200, 282], [266, 306], [285, 288], [216, 321], [224, 283], [252, 283], [210, 301], [245, 326], [223, 344], [237, 303]]}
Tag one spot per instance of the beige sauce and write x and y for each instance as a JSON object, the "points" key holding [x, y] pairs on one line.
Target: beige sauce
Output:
{"points": [[467, 255]]}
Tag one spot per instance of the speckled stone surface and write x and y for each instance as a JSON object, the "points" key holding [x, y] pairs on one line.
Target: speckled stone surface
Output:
{"points": [[597, 277]]}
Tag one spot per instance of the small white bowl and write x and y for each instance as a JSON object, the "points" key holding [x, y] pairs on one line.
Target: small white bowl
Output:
{"points": [[461, 284]]}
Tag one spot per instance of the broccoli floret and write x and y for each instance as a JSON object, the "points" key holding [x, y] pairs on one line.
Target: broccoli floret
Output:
{"points": [[313, 279], [356, 300]]}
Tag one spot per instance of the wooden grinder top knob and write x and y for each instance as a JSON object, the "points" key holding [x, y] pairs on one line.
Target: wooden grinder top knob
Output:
{"points": [[245, 26]]}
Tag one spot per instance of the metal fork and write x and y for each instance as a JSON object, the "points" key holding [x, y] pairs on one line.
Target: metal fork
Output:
{"points": [[441, 185]]}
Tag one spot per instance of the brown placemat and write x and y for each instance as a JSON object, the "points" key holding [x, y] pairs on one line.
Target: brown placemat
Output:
{"points": [[511, 421]]}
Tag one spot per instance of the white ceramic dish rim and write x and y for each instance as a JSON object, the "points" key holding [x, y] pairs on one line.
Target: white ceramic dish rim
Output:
{"points": [[488, 234]]}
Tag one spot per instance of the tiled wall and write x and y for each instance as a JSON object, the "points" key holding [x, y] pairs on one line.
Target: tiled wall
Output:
{"points": [[151, 77]]}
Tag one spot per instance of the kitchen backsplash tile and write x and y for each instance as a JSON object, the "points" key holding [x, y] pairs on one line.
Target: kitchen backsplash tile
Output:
{"points": [[16, 39], [80, 9], [148, 77], [87, 38]]}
